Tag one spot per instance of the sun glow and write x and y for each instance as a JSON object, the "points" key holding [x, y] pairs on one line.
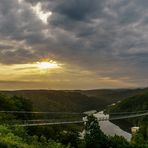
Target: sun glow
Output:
{"points": [[47, 65]]}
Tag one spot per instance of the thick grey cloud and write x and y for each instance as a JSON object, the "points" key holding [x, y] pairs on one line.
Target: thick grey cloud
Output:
{"points": [[109, 37]]}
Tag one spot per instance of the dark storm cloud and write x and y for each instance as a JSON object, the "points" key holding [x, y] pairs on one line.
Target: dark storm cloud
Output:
{"points": [[109, 37], [19, 23], [79, 10]]}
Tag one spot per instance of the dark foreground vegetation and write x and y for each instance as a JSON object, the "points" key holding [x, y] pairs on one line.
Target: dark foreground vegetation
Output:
{"points": [[62, 136]]}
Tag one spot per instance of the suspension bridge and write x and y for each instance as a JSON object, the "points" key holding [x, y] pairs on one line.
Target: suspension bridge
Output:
{"points": [[99, 115]]}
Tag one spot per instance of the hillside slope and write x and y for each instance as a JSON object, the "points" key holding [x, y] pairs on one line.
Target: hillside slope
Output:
{"points": [[135, 103], [110, 96], [78, 101], [44, 100]]}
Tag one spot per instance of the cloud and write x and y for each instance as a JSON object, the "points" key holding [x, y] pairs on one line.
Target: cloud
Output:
{"points": [[108, 37]]}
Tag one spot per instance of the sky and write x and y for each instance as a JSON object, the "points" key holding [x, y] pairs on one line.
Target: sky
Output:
{"points": [[73, 44]]}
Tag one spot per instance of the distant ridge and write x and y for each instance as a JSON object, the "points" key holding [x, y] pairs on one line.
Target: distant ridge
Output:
{"points": [[74, 100]]}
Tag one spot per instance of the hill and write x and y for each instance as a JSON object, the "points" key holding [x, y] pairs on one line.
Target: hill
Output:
{"points": [[109, 96], [77, 100], [135, 103], [52, 100], [56, 136]]}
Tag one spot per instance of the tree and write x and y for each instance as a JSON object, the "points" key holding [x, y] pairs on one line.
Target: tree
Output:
{"points": [[118, 142], [140, 139], [94, 137]]}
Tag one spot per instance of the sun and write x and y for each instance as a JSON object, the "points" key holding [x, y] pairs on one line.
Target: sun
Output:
{"points": [[47, 65]]}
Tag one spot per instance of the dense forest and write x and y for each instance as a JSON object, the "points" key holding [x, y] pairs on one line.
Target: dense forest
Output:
{"points": [[137, 104], [74, 100], [58, 136]]}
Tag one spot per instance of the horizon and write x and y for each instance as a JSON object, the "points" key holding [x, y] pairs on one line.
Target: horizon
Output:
{"points": [[73, 44], [97, 89]]}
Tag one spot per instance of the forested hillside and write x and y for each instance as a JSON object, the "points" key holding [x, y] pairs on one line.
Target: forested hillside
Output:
{"points": [[135, 103], [60, 136], [12, 136], [59, 100], [109, 96], [138, 102], [78, 100]]}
